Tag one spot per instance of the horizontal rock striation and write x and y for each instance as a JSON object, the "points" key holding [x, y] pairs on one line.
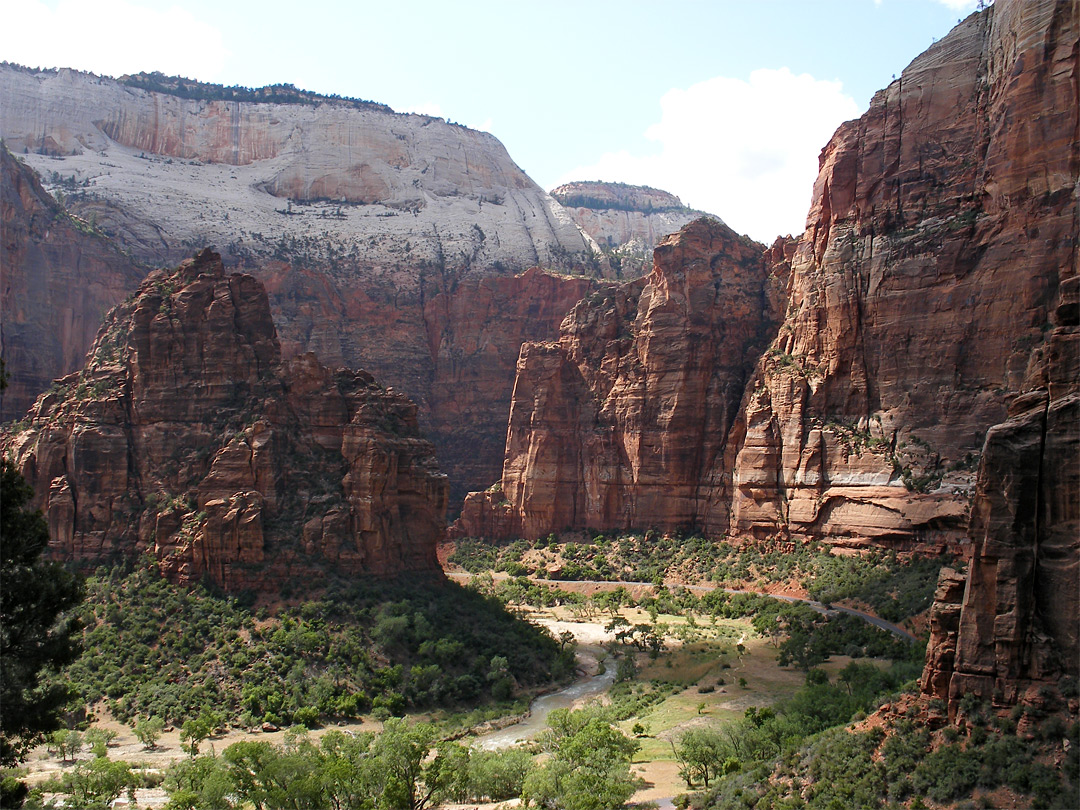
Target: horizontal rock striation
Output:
{"points": [[1009, 630], [628, 222], [474, 334], [941, 223], [354, 217], [187, 437], [621, 423], [60, 277]]}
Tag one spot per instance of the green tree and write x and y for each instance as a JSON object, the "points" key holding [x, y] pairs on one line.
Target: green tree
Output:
{"points": [[701, 753], [589, 768], [407, 782], [199, 784], [68, 743], [271, 778], [347, 774], [96, 783], [36, 635], [194, 731], [497, 776], [148, 731], [99, 740]]}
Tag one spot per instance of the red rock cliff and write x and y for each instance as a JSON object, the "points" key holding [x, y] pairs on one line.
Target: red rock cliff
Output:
{"points": [[474, 334], [1011, 626], [354, 218], [621, 423], [59, 278], [941, 224], [188, 438]]}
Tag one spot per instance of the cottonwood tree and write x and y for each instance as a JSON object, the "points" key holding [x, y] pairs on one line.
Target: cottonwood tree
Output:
{"points": [[702, 753], [148, 731], [589, 768]]}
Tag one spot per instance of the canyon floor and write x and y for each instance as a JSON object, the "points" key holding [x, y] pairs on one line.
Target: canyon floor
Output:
{"points": [[712, 670]]}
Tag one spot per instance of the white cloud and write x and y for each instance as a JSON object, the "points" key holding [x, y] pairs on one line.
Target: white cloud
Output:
{"points": [[112, 37], [743, 150]]}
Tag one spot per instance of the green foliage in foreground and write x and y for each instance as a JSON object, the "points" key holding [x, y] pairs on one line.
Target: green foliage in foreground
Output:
{"points": [[154, 649], [801, 756], [406, 768], [589, 764], [37, 632]]}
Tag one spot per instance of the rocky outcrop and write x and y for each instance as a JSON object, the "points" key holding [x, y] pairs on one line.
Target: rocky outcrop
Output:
{"points": [[60, 277], [941, 224], [377, 189], [187, 437], [474, 334], [1009, 630], [621, 423], [355, 218], [627, 222]]}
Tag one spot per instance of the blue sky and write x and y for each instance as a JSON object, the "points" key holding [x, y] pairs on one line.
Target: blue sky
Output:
{"points": [[724, 103]]}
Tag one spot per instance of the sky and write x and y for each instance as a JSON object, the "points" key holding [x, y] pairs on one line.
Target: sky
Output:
{"points": [[725, 103]]}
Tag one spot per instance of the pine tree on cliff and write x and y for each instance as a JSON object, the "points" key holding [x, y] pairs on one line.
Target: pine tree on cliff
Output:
{"points": [[36, 635]]}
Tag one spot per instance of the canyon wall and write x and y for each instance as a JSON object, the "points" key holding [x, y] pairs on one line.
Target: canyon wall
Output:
{"points": [[621, 422], [1008, 631], [60, 276], [941, 223], [187, 437], [474, 334], [627, 222], [355, 218]]}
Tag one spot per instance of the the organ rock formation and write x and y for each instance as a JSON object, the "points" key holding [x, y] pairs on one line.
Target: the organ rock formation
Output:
{"points": [[187, 437], [355, 218], [941, 226], [59, 276], [627, 222], [621, 423]]}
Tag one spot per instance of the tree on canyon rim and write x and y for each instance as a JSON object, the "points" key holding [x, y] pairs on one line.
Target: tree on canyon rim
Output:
{"points": [[37, 632]]}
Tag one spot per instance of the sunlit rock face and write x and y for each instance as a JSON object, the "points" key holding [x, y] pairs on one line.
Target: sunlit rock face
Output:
{"points": [[628, 222], [943, 223], [1009, 629], [354, 218], [188, 438], [621, 422]]}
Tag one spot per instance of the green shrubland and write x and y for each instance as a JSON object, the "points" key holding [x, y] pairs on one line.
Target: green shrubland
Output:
{"points": [[895, 587], [156, 650]]}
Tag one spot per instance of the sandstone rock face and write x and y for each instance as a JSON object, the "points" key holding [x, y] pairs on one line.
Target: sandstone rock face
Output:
{"points": [[627, 221], [60, 277], [355, 218], [439, 177], [187, 437], [621, 423], [474, 335], [1011, 626], [941, 224]]}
